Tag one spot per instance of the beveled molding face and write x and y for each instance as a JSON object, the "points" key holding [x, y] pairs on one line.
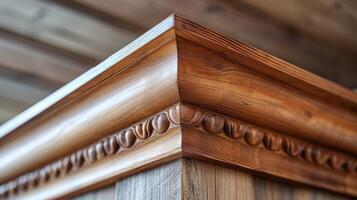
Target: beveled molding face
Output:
{"points": [[184, 115]]}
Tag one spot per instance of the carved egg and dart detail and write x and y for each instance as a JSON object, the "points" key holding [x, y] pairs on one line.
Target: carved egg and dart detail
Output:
{"points": [[183, 115]]}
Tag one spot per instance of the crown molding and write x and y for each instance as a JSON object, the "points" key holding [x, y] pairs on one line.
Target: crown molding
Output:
{"points": [[183, 130], [147, 143], [233, 142], [278, 114]]}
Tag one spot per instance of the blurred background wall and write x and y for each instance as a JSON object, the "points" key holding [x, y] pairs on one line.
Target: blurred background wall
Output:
{"points": [[44, 44]]}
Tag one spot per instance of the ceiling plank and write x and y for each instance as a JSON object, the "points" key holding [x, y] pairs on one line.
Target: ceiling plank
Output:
{"points": [[58, 26], [20, 91], [332, 21], [10, 108], [243, 24], [27, 57]]}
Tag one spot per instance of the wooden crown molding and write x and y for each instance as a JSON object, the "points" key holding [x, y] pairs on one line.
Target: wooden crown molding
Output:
{"points": [[297, 116], [113, 145], [192, 124]]}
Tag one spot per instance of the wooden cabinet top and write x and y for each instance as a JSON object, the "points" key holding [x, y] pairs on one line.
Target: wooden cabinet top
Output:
{"points": [[181, 90]]}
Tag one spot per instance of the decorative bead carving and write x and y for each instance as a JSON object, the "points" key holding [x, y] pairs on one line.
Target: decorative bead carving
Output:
{"points": [[185, 116], [126, 138], [320, 156], [143, 130], [337, 161], [254, 136], [307, 154], [107, 146], [160, 123], [292, 147], [174, 115], [90, 154], [272, 142], [214, 123], [190, 116], [110, 145], [77, 159], [234, 129]]}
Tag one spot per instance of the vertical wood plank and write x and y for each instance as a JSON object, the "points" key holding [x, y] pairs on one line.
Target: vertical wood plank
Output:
{"points": [[191, 179], [305, 193], [202, 180], [163, 182], [106, 193], [233, 184], [265, 189], [198, 180]]}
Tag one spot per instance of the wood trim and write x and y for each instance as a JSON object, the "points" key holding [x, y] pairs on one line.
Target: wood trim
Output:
{"points": [[230, 141], [300, 120], [187, 131], [147, 84], [264, 63], [223, 85], [104, 161]]}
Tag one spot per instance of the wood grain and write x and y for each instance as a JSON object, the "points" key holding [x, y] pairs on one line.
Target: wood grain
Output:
{"points": [[263, 62], [205, 180], [162, 182], [218, 84]]}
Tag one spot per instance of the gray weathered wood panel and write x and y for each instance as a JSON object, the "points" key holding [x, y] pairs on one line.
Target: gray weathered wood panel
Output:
{"points": [[163, 182], [106, 193]]}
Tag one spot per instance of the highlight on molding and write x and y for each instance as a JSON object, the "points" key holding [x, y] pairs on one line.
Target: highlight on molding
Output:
{"points": [[183, 115]]}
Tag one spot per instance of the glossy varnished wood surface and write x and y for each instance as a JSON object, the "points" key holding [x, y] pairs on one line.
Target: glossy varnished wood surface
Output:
{"points": [[237, 90], [265, 63], [101, 109]]}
